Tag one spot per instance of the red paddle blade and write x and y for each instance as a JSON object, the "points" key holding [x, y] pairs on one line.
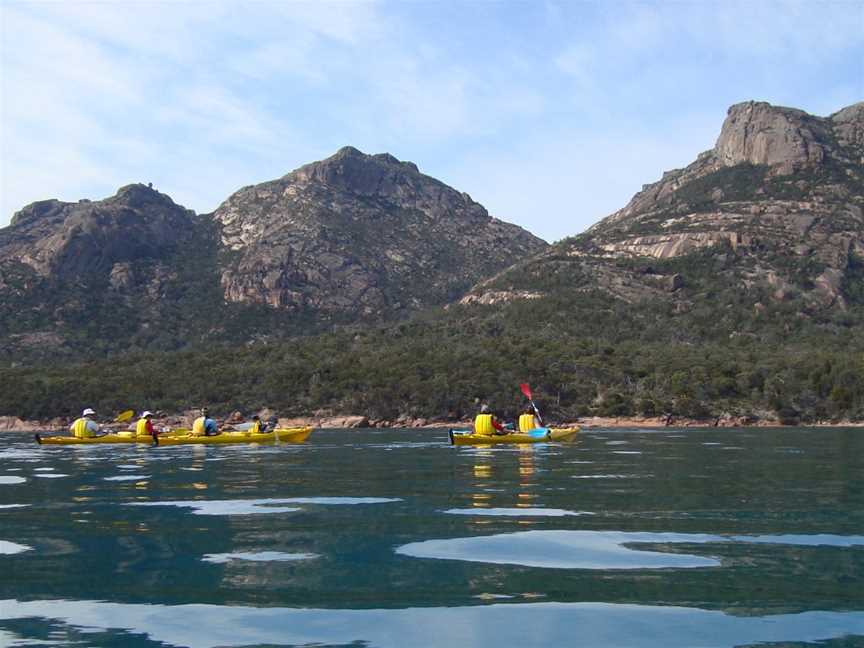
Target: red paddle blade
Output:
{"points": [[526, 390]]}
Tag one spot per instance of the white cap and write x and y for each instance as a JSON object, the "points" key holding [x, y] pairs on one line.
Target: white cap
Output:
{"points": [[87, 411], [146, 413]]}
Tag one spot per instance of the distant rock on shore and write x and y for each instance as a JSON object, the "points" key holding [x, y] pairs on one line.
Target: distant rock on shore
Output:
{"points": [[328, 420]]}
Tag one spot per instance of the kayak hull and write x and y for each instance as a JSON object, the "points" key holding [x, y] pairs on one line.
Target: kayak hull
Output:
{"points": [[281, 435], [540, 435]]}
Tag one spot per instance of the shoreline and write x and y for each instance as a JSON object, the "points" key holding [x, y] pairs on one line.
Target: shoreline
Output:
{"points": [[14, 424]]}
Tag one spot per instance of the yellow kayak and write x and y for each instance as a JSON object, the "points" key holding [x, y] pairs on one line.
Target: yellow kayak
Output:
{"points": [[538, 435], [182, 437]]}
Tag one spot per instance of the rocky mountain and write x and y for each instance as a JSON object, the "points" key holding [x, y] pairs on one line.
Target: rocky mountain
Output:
{"points": [[730, 291], [771, 218], [363, 234], [354, 237]]}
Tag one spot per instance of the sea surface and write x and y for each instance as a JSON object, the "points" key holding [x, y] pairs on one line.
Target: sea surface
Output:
{"points": [[393, 538]]}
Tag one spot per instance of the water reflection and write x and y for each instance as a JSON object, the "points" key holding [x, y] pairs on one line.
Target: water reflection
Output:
{"points": [[516, 512], [597, 549], [528, 625], [256, 506], [257, 556], [226, 507], [7, 547], [784, 527], [562, 550]]}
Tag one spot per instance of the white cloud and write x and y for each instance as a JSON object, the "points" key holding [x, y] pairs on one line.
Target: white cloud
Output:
{"points": [[571, 106]]}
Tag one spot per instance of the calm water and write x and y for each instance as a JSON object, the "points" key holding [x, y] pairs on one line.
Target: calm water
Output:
{"points": [[394, 538]]}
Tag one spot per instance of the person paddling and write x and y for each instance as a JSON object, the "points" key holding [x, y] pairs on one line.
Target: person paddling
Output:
{"points": [[259, 426], [204, 425], [487, 423], [144, 427], [85, 427], [527, 420]]}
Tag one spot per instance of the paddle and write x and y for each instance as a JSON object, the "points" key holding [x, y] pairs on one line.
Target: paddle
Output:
{"points": [[122, 417], [527, 391], [540, 432]]}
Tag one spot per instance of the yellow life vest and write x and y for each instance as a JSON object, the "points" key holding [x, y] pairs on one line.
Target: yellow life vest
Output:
{"points": [[141, 428], [256, 427], [483, 424], [526, 422], [198, 426], [79, 428]]}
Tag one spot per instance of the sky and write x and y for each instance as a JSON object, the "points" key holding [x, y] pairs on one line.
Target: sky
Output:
{"points": [[550, 114]]}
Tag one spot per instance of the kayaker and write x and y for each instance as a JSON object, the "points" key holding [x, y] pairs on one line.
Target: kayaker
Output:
{"points": [[527, 420], [487, 423], [257, 425], [204, 425], [144, 427], [85, 427]]}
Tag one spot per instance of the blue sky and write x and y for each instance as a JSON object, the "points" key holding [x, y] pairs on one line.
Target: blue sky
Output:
{"points": [[551, 114]]}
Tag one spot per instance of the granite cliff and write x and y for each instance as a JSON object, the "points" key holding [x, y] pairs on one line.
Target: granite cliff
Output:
{"points": [[363, 234], [774, 212]]}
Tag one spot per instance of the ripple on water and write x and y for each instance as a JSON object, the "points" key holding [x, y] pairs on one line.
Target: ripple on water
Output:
{"points": [[596, 549], [256, 506], [562, 550], [11, 506], [50, 475], [127, 478], [516, 512], [610, 476], [259, 556], [12, 547], [342, 500], [225, 507], [11, 479]]}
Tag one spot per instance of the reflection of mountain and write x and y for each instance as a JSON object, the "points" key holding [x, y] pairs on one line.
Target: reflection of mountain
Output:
{"points": [[538, 625], [688, 496]]}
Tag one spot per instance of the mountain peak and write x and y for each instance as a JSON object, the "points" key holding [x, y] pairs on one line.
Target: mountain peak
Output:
{"points": [[757, 132], [362, 235], [351, 169]]}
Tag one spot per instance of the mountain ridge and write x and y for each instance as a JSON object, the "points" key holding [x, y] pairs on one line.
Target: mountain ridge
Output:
{"points": [[781, 191], [351, 238], [722, 291]]}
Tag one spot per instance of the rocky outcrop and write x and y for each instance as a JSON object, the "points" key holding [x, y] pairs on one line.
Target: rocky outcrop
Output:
{"points": [[360, 234], [759, 133], [848, 127], [498, 296], [777, 205], [92, 238]]}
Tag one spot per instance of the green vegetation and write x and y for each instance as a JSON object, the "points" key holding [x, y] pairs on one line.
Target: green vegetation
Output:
{"points": [[582, 354]]}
